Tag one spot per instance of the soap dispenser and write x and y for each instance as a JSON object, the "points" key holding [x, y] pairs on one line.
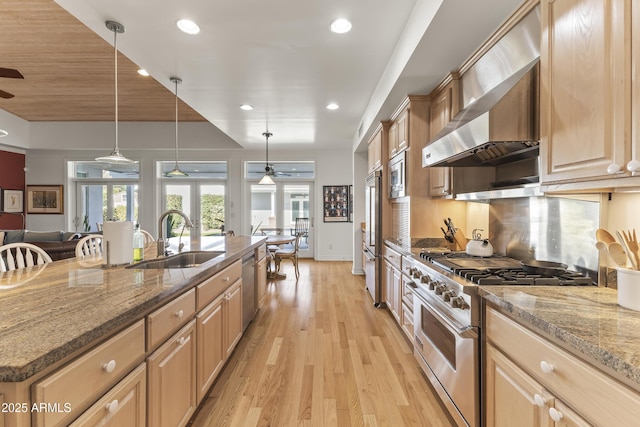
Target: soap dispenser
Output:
{"points": [[138, 244]]}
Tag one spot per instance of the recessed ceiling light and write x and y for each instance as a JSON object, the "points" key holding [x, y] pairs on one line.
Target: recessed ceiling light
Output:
{"points": [[143, 72], [188, 26], [246, 107], [341, 26], [3, 133], [333, 106]]}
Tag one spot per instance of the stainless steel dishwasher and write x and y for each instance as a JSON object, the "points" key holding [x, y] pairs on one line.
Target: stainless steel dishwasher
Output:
{"points": [[248, 289]]}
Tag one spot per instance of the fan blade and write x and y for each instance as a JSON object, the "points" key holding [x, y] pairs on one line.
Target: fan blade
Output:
{"points": [[10, 73], [6, 95]]}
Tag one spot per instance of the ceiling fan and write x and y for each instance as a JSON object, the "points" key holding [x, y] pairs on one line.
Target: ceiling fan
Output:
{"points": [[9, 73]]}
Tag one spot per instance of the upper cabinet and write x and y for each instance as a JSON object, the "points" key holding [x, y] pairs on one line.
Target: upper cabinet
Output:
{"points": [[445, 103], [584, 93], [399, 131], [375, 150]]}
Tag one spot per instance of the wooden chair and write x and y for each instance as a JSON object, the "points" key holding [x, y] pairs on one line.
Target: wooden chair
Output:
{"points": [[290, 254], [148, 238], [302, 227], [89, 245], [20, 255]]}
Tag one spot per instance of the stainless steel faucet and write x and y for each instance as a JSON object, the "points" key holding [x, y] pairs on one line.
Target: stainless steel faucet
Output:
{"points": [[161, 242]]}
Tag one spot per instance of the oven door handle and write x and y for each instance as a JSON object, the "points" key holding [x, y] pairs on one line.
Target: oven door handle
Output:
{"points": [[465, 332]]}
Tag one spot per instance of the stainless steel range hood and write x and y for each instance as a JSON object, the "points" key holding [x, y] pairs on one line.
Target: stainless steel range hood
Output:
{"points": [[498, 123]]}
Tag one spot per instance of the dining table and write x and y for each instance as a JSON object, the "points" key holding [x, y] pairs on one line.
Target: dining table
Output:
{"points": [[273, 244]]}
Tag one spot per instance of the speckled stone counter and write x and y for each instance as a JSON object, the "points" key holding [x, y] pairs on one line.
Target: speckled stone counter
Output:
{"points": [[49, 312], [587, 321]]}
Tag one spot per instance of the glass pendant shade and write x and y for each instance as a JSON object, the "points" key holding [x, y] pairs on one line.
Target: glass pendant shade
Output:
{"points": [[267, 179], [115, 157], [176, 172]]}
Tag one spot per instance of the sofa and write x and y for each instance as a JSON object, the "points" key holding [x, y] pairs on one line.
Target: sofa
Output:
{"points": [[58, 244]]}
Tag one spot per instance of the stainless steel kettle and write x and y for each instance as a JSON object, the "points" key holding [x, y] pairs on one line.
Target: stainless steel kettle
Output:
{"points": [[479, 246]]}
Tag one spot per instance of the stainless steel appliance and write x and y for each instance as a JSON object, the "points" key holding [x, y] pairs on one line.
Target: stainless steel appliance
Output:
{"points": [[249, 290], [372, 246], [447, 320], [397, 175]]}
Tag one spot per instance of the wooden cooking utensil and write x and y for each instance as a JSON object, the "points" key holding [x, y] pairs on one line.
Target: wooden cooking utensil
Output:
{"points": [[626, 249], [617, 254], [604, 236], [632, 247]]}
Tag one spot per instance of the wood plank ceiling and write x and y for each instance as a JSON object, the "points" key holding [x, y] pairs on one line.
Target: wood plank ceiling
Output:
{"points": [[69, 71]]}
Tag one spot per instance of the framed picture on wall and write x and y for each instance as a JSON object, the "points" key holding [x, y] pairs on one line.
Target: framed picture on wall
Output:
{"points": [[335, 200], [12, 201], [45, 199]]}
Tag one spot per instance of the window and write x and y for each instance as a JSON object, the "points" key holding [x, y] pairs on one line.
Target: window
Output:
{"points": [[103, 192]]}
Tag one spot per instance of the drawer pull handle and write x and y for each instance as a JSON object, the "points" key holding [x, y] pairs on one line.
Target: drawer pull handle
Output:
{"points": [[181, 341], [539, 400], [110, 366], [226, 278], [112, 406], [546, 367], [179, 314], [555, 414]]}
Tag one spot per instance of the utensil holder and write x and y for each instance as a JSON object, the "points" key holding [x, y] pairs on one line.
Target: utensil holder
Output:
{"points": [[629, 288]]}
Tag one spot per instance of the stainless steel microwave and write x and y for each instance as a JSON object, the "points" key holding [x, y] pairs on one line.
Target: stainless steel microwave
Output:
{"points": [[397, 175]]}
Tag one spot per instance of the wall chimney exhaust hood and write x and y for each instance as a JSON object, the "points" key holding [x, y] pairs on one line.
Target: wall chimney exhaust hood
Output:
{"points": [[499, 122]]}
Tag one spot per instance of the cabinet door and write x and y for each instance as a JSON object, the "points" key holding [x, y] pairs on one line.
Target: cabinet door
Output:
{"points": [[397, 294], [582, 93], [210, 345], [402, 123], [567, 417], [375, 152], [233, 317], [511, 395], [123, 405], [388, 285], [172, 380], [393, 140], [439, 182]]}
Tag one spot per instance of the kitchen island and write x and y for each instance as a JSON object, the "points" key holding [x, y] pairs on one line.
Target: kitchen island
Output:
{"points": [[562, 352], [54, 313]]}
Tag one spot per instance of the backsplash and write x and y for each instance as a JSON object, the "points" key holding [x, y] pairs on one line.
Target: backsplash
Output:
{"points": [[560, 229]]}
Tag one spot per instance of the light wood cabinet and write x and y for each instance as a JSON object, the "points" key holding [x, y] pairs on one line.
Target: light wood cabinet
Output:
{"points": [[375, 151], [210, 345], [399, 132], [393, 282], [124, 405], [526, 374], [233, 317], [584, 91], [445, 103], [99, 369], [172, 380], [209, 290], [169, 318]]}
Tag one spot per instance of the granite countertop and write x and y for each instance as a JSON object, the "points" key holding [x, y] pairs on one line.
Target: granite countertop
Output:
{"points": [[49, 312], [585, 320]]}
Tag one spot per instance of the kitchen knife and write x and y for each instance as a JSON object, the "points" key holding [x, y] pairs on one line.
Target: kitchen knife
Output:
{"points": [[447, 235]]}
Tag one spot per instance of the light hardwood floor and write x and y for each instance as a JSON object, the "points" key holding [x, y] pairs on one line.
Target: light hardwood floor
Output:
{"points": [[319, 354]]}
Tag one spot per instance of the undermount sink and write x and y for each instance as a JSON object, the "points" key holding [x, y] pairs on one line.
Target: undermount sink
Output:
{"points": [[183, 260]]}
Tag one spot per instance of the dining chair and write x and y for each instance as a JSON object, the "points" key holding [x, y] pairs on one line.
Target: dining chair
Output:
{"points": [[290, 254], [20, 255], [89, 245], [302, 226]]}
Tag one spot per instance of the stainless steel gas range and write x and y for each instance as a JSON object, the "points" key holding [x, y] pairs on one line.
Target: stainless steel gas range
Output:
{"points": [[447, 319]]}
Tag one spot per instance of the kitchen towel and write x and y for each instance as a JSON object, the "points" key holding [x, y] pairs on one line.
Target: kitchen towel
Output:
{"points": [[117, 239]]}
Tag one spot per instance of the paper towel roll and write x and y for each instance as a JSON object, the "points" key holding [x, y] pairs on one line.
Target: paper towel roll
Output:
{"points": [[117, 239]]}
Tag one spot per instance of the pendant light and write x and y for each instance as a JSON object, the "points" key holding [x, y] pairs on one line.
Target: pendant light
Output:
{"points": [[267, 179], [115, 157], [176, 170]]}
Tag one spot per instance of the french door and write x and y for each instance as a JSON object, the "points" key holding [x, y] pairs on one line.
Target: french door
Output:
{"points": [[274, 209], [97, 202], [203, 202]]}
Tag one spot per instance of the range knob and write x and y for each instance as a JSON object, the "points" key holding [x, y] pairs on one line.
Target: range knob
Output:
{"points": [[458, 302], [448, 295], [417, 274], [440, 288], [433, 284], [425, 279]]}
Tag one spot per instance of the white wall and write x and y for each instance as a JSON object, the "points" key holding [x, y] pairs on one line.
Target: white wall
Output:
{"points": [[333, 241]]}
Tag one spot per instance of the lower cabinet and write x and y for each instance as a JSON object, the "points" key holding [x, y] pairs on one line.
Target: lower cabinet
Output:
{"points": [[532, 382], [172, 380], [124, 405], [233, 317], [261, 278]]}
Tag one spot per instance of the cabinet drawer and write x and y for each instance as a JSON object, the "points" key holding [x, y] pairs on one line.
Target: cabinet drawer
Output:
{"points": [[209, 290], [392, 256], [169, 318], [593, 394], [123, 405], [82, 381]]}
